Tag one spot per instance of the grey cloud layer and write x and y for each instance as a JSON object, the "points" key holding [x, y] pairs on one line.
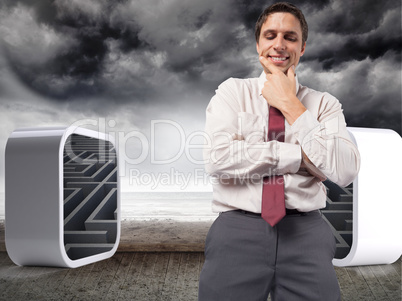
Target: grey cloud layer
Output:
{"points": [[122, 49], [174, 53], [356, 31]]}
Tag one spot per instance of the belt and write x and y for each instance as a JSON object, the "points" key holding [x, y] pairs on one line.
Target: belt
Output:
{"points": [[288, 212]]}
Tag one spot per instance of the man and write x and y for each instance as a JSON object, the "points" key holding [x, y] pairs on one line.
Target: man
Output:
{"points": [[248, 256]]}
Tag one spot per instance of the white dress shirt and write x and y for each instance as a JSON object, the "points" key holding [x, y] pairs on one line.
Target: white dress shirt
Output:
{"points": [[238, 155]]}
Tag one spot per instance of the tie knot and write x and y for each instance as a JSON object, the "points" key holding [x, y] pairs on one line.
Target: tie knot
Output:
{"points": [[274, 111]]}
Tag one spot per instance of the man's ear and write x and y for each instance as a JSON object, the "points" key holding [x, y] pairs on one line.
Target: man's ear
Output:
{"points": [[258, 48], [303, 49]]}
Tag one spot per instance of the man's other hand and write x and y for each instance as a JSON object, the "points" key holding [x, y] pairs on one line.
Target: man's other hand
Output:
{"points": [[307, 166]]}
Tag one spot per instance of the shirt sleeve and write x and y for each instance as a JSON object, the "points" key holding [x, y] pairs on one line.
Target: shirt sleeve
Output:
{"points": [[327, 143], [237, 147]]}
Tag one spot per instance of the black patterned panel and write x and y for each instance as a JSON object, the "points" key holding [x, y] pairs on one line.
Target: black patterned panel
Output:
{"points": [[90, 196], [339, 215]]}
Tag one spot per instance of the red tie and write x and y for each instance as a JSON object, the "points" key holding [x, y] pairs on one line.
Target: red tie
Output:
{"points": [[273, 193]]}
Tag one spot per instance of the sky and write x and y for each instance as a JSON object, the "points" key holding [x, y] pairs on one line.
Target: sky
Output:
{"points": [[144, 72]]}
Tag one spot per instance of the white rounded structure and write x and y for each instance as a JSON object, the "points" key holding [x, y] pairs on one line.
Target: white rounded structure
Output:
{"points": [[377, 200], [62, 204]]}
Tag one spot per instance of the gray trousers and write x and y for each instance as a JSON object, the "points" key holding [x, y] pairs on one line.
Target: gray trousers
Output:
{"points": [[246, 259]]}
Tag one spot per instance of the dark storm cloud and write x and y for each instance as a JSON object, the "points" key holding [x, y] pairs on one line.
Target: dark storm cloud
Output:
{"points": [[157, 52], [103, 46], [356, 16], [355, 53], [354, 30], [76, 68], [100, 39]]}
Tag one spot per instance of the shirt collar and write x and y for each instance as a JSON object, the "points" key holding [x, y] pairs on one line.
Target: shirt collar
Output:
{"points": [[262, 79]]}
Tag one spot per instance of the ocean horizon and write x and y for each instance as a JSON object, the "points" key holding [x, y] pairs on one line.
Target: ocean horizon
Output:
{"points": [[159, 205]]}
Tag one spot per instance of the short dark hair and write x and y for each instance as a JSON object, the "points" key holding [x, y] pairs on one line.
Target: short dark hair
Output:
{"points": [[282, 7]]}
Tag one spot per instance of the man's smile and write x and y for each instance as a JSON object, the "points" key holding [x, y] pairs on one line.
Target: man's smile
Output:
{"points": [[278, 59]]}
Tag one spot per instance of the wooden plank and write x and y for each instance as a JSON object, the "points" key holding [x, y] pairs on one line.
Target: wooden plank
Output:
{"points": [[120, 277], [127, 290], [360, 284], [53, 282], [171, 277], [160, 271], [87, 290], [161, 247], [3, 258], [23, 292], [2, 237], [187, 283], [391, 288], [79, 285], [155, 273], [162, 277], [346, 284], [181, 277], [146, 286], [373, 283], [11, 280], [36, 287], [108, 272], [193, 274], [202, 259], [393, 269], [63, 291], [10, 277], [6, 264], [392, 273], [397, 266]]}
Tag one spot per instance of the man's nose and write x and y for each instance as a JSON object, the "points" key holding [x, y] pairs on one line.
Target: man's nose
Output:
{"points": [[280, 44]]}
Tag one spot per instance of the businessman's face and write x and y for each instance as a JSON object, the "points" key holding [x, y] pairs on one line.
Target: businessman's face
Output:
{"points": [[280, 40]]}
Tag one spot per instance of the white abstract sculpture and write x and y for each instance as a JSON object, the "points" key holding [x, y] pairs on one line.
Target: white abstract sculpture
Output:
{"points": [[62, 205], [377, 201]]}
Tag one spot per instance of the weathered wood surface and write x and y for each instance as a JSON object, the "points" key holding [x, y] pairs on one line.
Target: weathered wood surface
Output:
{"points": [[161, 276], [154, 236]]}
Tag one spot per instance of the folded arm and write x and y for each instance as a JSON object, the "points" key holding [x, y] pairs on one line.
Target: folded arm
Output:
{"points": [[326, 144], [237, 144]]}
